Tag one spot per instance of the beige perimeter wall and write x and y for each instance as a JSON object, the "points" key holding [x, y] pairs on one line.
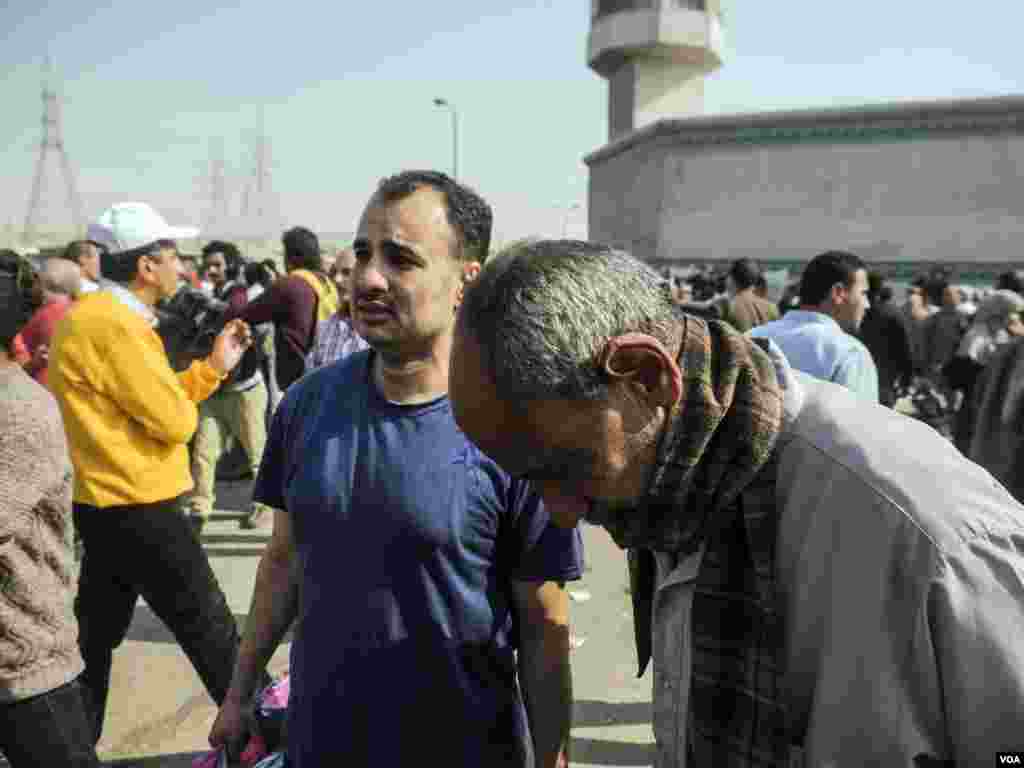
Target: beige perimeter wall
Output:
{"points": [[925, 182]]}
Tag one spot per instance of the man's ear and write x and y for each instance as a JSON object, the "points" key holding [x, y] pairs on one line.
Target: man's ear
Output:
{"points": [[839, 294], [641, 363], [470, 271], [143, 268]]}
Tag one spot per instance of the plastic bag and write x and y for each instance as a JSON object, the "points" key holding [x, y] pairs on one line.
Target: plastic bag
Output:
{"points": [[275, 695], [255, 754], [217, 758], [271, 711]]}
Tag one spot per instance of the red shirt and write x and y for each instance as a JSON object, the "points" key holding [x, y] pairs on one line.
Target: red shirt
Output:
{"points": [[18, 352], [39, 329]]}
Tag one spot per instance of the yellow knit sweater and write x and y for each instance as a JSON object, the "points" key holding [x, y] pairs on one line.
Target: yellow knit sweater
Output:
{"points": [[127, 414]]}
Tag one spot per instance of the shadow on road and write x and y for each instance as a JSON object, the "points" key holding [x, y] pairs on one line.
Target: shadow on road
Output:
{"points": [[234, 495], [241, 537], [603, 752], [234, 551], [146, 627], [601, 714], [179, 760], [588, 714]]}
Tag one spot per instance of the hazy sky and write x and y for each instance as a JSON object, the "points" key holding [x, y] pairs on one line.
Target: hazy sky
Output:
{"points": [[344, 92]]}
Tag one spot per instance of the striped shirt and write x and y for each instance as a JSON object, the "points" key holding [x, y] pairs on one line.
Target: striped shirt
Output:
{"points": [[335, 339]]}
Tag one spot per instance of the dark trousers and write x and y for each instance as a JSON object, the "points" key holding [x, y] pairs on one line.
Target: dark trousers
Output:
{"points": [[52, 730], [149, 550]]}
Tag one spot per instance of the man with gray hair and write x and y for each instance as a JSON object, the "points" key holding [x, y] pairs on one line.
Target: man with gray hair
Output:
{"points": [[61, 282], [810, 588]]}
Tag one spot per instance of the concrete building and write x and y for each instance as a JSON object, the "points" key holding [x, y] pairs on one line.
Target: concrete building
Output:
{"points": [[915, 182]]}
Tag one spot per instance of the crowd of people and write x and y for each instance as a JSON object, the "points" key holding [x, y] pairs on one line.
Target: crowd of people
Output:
{"points": [[840, 322], [817, 578]]}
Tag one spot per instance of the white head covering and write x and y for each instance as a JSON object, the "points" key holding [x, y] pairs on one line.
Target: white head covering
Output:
{"points": [[988, 329]]}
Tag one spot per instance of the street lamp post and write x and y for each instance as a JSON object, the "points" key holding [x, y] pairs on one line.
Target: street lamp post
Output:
{"points": [[455, 133]]}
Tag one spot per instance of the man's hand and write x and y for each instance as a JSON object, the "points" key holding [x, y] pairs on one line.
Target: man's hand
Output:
{"points": [[39, 360], [231, 729], [230, 345]]}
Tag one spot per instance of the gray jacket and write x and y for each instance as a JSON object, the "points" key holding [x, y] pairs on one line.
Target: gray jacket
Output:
{"points": [[901, 576]]}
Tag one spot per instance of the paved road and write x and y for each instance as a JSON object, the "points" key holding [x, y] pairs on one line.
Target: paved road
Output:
{"points": [[159, 714]]}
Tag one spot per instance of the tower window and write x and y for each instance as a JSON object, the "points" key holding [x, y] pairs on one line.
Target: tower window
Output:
{"points": [[608, 7]]}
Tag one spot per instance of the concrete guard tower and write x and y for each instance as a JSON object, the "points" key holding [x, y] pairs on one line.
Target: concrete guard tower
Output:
{"points": [[655, 55]]}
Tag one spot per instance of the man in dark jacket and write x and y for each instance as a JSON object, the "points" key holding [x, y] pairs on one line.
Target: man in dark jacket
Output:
{"points": [[294, 304], [997, 407], [885, 334]]}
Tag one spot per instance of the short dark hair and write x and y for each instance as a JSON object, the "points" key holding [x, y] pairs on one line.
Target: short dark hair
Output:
{"points": [[233, 260], [124, 266], [75, 250], [258, 273], [302, 249], [935, 286], [19, 294], [1011, 280], [876, 280], [745, 273], [469, 215], [824, 271]]}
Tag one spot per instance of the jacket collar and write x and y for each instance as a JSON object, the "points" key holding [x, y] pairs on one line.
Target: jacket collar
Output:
{"points": [[130, 300]]}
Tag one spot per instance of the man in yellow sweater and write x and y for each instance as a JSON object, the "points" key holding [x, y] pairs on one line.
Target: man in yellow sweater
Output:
{"points": [[129, 418]]}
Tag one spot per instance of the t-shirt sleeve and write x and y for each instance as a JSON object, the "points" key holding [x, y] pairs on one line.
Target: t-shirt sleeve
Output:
{"points": [[270, 479], [539, 549]]}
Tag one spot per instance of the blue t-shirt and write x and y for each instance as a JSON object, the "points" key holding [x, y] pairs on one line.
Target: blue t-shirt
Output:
{"points": [[409, 540]]}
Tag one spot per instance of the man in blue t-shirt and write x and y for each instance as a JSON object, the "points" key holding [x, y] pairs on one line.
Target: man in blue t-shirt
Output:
{"points": [[425, 584]]}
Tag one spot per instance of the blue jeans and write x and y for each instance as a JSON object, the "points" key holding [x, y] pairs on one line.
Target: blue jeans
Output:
{"points": [[52, 729]]}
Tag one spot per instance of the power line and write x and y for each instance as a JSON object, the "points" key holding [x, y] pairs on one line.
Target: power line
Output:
{"points": [[52, 143], [260, 205], [215, 220]]}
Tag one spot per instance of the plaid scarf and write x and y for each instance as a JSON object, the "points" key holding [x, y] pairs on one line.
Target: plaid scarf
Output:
{"points": [[724, 432], [714, 483]]}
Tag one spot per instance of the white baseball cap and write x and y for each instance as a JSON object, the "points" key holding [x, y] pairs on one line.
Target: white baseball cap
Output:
{"points": [[127, 226]]}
